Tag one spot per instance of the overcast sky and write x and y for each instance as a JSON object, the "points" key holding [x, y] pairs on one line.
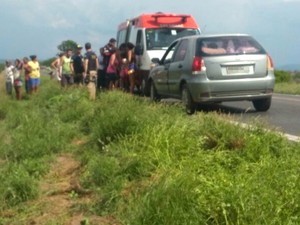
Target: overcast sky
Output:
{"points": [[39, 26]]}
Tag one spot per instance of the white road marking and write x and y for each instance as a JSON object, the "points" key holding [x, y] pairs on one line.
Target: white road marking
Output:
{"points": [[292, 137], [288, 136]]}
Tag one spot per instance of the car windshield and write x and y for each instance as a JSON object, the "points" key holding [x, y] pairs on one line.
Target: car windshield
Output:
{"points": [[228, 45], [161, 38]]}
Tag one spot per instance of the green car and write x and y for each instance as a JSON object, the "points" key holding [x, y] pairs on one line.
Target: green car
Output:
{"points": [[213, 69]]}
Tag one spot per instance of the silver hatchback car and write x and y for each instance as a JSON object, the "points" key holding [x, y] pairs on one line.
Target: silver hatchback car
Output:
{"points": [[212, 69]]}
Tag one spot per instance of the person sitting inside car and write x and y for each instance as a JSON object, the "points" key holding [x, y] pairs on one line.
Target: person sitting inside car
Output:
{"points": [[213, 49], [245, 47]]}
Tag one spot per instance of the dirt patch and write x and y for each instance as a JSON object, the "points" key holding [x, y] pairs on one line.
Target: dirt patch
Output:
{"points": [[61, 194]]}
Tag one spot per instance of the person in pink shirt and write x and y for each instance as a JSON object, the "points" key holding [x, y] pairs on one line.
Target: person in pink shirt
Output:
{"points": [[113, 69]]}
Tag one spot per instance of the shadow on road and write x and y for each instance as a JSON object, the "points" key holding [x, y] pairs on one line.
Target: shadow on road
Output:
{"points": [[220, 108], [225, 109]]}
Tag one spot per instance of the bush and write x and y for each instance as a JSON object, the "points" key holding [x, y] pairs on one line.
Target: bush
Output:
{"points": [[16, 186], [47, 62], [282, 76], [297, 76], [2, 66]]}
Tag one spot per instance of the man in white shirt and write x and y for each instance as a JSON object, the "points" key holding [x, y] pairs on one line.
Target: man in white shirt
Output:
{"points": [[9, 78]]}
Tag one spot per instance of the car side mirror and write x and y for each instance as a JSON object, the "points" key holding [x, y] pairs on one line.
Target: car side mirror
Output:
{"points": [[155, 60], [138, 50]]}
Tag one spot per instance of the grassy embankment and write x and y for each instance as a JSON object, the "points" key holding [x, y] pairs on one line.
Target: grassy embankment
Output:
{"points": [[287, 83], [144, 163]]}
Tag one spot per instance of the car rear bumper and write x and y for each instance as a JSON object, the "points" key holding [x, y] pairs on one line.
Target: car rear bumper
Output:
{"points": [[204, 90]]}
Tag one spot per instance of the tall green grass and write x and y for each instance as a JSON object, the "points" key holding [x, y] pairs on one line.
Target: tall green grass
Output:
{"points": [[148, 163], [292, 88], [32, 131], [162, 167]]}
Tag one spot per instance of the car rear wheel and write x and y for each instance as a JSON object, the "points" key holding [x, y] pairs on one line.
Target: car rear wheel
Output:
{"points": [[262, 104], [187, 101], [153, 93]]}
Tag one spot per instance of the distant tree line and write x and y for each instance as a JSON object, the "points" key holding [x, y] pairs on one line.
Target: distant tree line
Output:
{"points": [[2, 66], [68, 44], [62, 47], [282, 76]]}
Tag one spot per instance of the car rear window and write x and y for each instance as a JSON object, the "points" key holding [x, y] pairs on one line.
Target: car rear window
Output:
{"points": [[228, 45]]}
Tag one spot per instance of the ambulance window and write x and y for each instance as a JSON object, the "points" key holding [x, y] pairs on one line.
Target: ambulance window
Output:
{"points": [[121, 37], [139, 40], [139, 47], [161, 38]]}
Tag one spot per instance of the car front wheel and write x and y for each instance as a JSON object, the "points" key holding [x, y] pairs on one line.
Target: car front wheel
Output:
{"points": [[262, 105], [187, 101], [153, 92]]}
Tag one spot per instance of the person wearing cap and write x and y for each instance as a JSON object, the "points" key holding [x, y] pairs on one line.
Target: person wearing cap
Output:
{"points": [[77, 65], [67, 70], [34, 74], [9, 77], [91, 65]]}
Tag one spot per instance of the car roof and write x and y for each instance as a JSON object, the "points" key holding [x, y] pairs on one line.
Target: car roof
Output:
{"points": [[214, 35], [211, 36]]}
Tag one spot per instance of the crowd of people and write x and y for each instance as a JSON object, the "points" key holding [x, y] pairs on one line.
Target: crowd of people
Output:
{"points": [[13, 78], [113, 68]]}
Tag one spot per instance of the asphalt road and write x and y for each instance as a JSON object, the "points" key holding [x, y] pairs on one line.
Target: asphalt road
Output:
{"points": [[284, 114]]}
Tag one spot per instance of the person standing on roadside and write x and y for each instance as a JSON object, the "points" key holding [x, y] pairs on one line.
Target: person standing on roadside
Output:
{"points": [[67, 70], [102, 82], [34, 74], [113, 69], [17, 78], [26, 74], [133, 79], [91, 65], [9, 78], [107, 52], [128, 72], [77, 66], [57, 66]]}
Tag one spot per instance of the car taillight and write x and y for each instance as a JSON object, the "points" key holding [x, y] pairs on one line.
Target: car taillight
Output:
{"points": [[270, 63], [198, 65]]}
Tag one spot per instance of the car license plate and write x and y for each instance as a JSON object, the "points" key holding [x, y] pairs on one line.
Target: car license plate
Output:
{"points": [[238, 70]]}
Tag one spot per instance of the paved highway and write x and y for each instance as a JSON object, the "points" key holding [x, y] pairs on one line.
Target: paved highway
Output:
{"points": [[283, 115]]}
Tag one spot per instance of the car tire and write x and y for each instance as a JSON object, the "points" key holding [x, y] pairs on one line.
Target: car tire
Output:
{"points": [[153, 92], [262, 105], [187, 101]]}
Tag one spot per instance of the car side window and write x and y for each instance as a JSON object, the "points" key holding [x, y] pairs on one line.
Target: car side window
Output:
{"points": [[181, 51], [169, 53]]}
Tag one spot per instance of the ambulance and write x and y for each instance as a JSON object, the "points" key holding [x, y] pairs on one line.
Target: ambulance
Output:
{"points": [[152, 34]]}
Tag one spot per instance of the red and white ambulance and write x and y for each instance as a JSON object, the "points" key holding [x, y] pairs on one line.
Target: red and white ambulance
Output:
{"points": [[152, 34]]}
